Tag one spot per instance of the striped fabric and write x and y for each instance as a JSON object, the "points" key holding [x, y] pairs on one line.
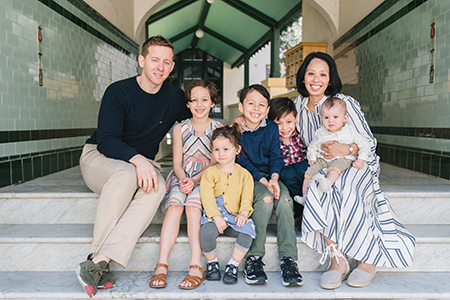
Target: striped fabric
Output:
{"points": [[355, 213], [196, 157]]}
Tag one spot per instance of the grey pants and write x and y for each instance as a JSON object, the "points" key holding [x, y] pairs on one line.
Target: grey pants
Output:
{"points": [[209, 234]]}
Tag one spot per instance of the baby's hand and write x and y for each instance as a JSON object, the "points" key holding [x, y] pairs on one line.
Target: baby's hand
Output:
{"points": [[221, 224], [359, 163], [311, 162], [241, 219], [186, 185]]}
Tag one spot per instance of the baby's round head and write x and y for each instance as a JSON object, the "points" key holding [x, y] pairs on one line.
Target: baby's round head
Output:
{"points": [[334, 114]]}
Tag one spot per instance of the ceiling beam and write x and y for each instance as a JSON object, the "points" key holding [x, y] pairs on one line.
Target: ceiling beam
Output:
{"points": [[251, 12], [169, 10], [201, 22], [183, 34], [224, 39], [297, 9], [255, 47]]}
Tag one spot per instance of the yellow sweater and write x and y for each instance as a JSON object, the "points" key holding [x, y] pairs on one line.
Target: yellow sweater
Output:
{"points": [[236, 189]]}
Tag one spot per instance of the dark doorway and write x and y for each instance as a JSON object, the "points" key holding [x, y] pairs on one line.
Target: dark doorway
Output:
{"points": [[195, 64]]}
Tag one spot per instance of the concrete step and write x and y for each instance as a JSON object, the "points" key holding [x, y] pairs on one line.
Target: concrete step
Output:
{"points": [[80, 208], [134, 285], [63, 198], [62, 247]]}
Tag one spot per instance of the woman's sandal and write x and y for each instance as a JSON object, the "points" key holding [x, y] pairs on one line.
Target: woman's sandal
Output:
{"points": [[195, 281], [159, 277]]}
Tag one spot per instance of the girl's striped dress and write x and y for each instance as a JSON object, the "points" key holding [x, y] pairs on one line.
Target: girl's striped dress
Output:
{"points": [[355, 213], [196, 157]]}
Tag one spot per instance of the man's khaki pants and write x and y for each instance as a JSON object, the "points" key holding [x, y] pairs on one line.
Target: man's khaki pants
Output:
{"points": [[124, 211]]}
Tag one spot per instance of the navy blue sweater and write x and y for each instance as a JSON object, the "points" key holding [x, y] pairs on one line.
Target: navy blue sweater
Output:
{"points": [[261, 151], [132, 121]]}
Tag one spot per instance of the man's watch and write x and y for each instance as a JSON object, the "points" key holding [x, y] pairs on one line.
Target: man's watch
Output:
{"points": [[350, 147]]}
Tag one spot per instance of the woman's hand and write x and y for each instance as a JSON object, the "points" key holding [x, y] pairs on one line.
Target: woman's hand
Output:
{"points": [[220, 224], [331, 149]]}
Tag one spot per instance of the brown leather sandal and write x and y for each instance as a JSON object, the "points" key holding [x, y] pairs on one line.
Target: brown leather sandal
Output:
{"points": [[159, 277], [194, 280]]}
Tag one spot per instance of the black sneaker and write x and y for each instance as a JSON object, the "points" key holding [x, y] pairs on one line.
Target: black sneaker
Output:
{"points": [[230, 276], [107, 280], [212, 271], [254, 272], [289, 272]]}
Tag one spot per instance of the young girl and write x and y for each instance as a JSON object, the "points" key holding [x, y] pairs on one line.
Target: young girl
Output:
{"points": [[227, 197], [191, 155]]}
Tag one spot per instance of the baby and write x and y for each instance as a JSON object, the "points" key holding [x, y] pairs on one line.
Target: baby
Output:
{"points": [[334, 128]]}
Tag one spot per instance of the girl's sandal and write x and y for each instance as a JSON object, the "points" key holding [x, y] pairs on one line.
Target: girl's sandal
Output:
{"points": [[159, 277], [195, 281]]}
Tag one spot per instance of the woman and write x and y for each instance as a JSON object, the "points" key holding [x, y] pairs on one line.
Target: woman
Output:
{"points": [[354, 218]]}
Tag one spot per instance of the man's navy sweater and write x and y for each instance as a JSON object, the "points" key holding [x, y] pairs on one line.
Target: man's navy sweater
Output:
{"points": [[261, 151], [132, 121]]}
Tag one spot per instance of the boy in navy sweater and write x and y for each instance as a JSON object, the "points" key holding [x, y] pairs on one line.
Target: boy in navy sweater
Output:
{"points": [[261, 156]]}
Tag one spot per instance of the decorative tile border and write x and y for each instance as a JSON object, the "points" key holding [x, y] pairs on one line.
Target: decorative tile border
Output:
{"points": [[426, 132], [19, 168], [436, 163], [44, 134], [133, 46]]}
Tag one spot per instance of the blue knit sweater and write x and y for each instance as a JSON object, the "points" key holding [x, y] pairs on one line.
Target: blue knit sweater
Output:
{"points": [[132, 121], [261, 151]]}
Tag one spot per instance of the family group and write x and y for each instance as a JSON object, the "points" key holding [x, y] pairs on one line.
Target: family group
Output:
{"points": [[312, 162]]}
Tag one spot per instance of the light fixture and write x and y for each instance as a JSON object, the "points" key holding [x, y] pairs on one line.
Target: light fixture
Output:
{"points": [[210, 1], [199, 33]]}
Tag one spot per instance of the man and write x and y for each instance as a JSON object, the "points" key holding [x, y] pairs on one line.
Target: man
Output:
{"points": [[117, 160]]}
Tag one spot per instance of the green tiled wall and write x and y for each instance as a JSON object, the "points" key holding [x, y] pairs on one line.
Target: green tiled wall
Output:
{"points": [[43, 128], [390, 51]]}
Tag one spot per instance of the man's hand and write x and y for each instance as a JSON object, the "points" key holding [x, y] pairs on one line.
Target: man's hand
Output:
{"points": [[146, 174]]}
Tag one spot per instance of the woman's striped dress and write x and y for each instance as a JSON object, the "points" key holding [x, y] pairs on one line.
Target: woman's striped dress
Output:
{"points": [[355, 213]]}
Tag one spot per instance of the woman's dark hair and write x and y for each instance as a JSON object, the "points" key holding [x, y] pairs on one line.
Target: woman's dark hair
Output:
{"points": [[211, 87], [254, 87], [335, 84], [228, 132], [281, 106]]}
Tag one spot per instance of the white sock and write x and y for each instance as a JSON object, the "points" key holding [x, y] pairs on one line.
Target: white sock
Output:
{"points": [[213, 260], [233, 261], [324, 183], [299, 199]]}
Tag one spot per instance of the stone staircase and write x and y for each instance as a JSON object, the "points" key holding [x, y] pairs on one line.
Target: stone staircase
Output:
{"points": [[46, 230]]}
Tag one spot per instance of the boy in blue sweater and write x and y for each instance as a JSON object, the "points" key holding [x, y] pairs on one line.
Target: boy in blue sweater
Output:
{"points": [[261, 156]]}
